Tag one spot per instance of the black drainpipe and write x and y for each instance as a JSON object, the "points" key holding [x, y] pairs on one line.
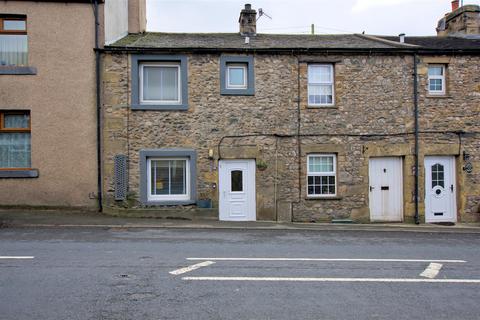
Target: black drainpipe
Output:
{"points": [[98, 92], [415, 103]]}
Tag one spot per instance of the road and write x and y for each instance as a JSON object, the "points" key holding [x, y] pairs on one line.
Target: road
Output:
{"points": [[97, 273]]}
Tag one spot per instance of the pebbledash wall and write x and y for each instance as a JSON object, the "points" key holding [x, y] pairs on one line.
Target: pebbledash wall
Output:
{"points": [[373, 116]]}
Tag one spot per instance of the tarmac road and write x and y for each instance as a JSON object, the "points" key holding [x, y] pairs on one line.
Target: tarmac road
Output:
{"points": [[117, 273]]}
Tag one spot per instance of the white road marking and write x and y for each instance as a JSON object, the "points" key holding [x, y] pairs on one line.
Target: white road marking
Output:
{"points": [[432, 270], [329, 259], [191, 268], [285, 279], [16, 257]]}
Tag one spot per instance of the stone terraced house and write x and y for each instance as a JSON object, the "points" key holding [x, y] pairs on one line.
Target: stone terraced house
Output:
{"points": [[247, 126]]}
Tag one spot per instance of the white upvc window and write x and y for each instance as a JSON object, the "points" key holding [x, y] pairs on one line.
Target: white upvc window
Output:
{"points": [[320, 85], [160, 83], [321, 175], [168, 179], [237, 76], [436, 79]]}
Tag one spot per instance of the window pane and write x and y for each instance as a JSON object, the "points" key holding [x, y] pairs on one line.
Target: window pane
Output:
{"points": [[177, 176], [320, 94], [321, 164], [438, 175], [435, 71], [236, 76], [16, 25], [237, 180], [16, 121], [160, 83], [15, 150], [13, 50], [435, 85], [319, 74], [160, 177]]}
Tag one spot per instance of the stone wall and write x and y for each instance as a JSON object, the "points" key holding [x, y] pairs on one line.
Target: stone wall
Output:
{"points": [[372, 116]]}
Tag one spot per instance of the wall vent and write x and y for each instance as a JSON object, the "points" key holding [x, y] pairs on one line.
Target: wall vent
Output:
{"points": [[121, 177]]}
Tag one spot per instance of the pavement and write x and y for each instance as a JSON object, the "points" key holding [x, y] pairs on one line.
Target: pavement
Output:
{"points": [[69, 219]]}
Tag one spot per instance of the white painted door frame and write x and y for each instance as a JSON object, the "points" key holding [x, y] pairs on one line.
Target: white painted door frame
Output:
{"points": [[440, 189], [386, 189], [236, 187]]}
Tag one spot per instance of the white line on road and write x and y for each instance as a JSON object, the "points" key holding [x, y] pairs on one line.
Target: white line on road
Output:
{"points": [[285, 279], [191, 268], [432, 270], [16, 257], [328, 259]]}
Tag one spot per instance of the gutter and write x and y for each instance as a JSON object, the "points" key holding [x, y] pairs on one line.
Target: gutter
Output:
{"points": [[98, 102], [415, 104]]}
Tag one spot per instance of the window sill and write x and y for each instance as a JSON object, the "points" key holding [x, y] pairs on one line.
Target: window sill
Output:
{"points": [[15, 70], [170, 202], [439, 96], [160, 107], [324, 198], [237, 92], [322, 107], [22, 173]]}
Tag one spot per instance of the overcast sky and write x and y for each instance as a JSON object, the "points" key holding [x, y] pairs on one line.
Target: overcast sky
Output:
{"points": [[385, 17]]}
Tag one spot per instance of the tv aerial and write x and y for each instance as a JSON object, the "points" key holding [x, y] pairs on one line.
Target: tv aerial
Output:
{"points": [[262, 13]]}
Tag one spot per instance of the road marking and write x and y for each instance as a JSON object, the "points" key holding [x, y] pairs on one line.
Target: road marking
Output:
{"points": [[191, 268], [432, 270], [285, 279], [16, 257], [328, 259]]}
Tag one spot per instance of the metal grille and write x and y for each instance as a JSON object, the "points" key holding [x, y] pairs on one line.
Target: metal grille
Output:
{"points": [[121, 177]]}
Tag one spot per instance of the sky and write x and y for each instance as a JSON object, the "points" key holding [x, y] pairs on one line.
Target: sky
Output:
{"points": [[380, 17]]}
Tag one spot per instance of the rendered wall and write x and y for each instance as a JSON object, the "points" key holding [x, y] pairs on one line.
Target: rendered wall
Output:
{"points": [[61, 98]]}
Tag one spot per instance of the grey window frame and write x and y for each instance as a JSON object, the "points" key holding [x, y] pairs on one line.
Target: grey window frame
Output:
{"points": [[145, 154], [236, 60], [137, 60]]}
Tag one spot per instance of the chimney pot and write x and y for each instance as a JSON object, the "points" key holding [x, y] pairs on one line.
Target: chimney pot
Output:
{"points": [[455, 5], [248, 6], [402, 37]]}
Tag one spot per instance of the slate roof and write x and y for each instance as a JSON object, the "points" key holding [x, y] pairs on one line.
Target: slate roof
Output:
{"points": [[442, 43], [283, 42], [235, 40]]}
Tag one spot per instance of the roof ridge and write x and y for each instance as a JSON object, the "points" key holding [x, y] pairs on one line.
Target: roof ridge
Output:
{"points": [[386, 41]]}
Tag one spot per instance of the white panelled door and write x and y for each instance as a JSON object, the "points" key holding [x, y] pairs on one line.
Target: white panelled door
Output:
{"points": [[440, 204], [237, 190], [386, 189]]}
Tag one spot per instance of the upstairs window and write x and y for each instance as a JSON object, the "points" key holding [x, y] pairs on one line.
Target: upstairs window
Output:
{"points": [[160, 83], [320, 85], [237, 76], [15, 140], [13, 40], [436, 79]]}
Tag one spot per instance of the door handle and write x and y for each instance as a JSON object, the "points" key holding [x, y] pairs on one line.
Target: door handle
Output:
{"points": [[451, 187], [371, 188]]}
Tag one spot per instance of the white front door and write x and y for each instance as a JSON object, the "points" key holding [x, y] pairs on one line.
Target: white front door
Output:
{"points": [[237, 190], [386, 189], [440, 205]]}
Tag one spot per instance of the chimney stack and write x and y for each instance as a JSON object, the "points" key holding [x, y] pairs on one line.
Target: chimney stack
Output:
{"points": [[248, 21], [455, 5], [463, 22]]}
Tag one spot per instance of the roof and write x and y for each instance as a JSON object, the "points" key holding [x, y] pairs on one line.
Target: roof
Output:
{"points": [[235, 40], [285, 42], [441, 43]]}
